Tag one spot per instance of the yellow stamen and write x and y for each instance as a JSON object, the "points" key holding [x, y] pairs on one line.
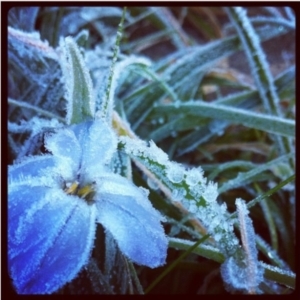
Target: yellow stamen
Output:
{"points": [[85, 191], [72, 189]]}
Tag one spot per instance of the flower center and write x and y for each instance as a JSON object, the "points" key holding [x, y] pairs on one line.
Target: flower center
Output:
{"points": [[86, 192]]}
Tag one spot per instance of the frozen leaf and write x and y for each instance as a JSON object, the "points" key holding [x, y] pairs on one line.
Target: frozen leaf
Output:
{"points": [[198, 197], [78, 84]]}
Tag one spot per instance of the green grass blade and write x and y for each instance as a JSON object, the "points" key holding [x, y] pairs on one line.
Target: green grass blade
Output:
{"points": [[81, 102], [250, 119]]}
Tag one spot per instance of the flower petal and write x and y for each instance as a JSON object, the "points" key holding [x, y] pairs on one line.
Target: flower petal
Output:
{"points": [[65, 147], [98, 143], [111, 183], [21, 198], [34, 166], [134, 223], [52, 240]]}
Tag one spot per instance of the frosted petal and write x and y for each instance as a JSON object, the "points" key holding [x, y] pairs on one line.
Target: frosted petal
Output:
{"points": [[98, 143], [63, 143], [139, 235], [20, 199], [52, 242], [33, 166], [114, 184]]}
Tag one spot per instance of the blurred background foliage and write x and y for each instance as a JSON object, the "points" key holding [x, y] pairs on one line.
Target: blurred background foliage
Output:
{"points": [[195, 54]]}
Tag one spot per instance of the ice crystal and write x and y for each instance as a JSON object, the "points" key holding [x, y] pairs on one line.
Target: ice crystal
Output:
{"points": [[175, 172]]}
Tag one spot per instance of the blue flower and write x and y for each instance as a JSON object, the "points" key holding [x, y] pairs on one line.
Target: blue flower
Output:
{"points": [[55, 201]]}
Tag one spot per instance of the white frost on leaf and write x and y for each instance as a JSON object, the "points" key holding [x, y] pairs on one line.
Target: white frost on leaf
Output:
{"points": [[195, 176], [78, 83], [175, 172], [189, 187], [211, 192]]}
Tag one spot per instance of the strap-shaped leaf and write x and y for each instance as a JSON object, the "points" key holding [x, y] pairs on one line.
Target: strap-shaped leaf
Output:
{"points": [[273, 124], [78, 83]]}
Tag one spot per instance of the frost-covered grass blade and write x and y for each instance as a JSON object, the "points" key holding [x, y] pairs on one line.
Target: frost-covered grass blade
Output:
{"points": [[78, 84]]}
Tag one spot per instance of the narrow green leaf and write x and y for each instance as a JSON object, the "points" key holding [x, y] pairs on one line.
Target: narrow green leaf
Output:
{"points": [[242, 178], [108, 101], [78, 83], [202, 133], [247, 118], [267, 194]]}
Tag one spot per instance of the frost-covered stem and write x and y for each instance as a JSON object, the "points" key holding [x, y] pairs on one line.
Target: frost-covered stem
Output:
{"points": [[248, 241], [202, 249], [122, 128], [108, 102], [32, 39], [260, 70], [257, 59]]}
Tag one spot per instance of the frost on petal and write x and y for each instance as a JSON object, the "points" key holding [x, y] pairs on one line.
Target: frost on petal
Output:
{"points": [[63, 144], [21, 198], [34, 166], [135, 226], [114, 184], [98, 143], [51, 241]]}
